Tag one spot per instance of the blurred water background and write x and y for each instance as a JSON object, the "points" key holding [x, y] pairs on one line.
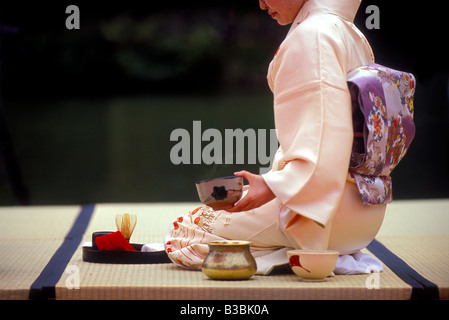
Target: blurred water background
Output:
{"points": [[89, 112]]}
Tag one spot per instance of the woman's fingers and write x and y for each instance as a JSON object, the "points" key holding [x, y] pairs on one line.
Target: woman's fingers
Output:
{"points": [[257, 195]]}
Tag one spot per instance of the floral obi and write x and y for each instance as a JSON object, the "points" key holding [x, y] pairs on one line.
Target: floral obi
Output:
{"points": [[382, 111]]}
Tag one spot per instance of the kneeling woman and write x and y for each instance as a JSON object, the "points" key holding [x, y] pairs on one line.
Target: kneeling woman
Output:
{"points": [[308, 200]]}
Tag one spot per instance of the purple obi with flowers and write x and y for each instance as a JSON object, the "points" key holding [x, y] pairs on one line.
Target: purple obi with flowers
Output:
{"points": [[382, 109]]}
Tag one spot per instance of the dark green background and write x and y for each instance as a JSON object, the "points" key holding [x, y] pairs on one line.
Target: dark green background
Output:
{"points": [[90, 111]]}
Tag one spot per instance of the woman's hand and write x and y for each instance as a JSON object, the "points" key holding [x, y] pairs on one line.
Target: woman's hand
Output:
{"points": [[258, 193]]}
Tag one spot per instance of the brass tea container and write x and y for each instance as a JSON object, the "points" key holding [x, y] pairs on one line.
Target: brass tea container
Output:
{"points": [[229, 260]]}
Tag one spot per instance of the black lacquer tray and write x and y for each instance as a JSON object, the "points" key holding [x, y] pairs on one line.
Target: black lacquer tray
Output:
{"points": [[125, 257]]}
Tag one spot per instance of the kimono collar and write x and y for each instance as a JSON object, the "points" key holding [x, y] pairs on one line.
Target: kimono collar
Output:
{"points": [[346, 9]]}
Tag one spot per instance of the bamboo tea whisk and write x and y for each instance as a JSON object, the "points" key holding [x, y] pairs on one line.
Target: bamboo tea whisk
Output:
{"points": [[125, 224]]}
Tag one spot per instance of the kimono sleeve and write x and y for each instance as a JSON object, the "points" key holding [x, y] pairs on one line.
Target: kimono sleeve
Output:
{"points": [[312, 109]]}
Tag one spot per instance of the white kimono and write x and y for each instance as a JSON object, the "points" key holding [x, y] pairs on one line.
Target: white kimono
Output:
{"points": [[317, 204]]}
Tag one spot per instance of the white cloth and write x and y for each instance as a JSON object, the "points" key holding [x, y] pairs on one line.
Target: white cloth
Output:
{"points": [[358, 263], [267, 260], [153, 247]]}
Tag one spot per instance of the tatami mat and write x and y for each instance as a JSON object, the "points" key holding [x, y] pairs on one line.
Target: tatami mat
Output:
{"points": [[165, 281], [415, 231], [428, 255], [100, 281], [29, 236]]}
